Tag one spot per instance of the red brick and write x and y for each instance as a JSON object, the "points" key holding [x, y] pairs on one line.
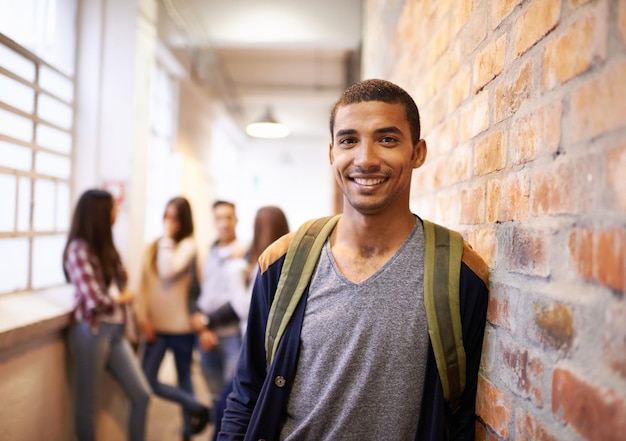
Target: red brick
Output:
{"points": [[462, 12], [581, 251], [529, 253], [514, 197], [526, 369], [536, 133], [460, 167], [484, 242], [540, 18], [556, 324], [597, 414], [472, 35], [484, 434], [494, 190], [572, 53], [555, 190], [493, 406], [599, 105], [529, 428], [475, 117], [577, 3], [500, 310], [490, 154], [489, 63], [616, 165], [439, 42], [615, 338], [500, 9], [444, 137], [473, 205], [610, 259], [511, 96], [459, 89]]}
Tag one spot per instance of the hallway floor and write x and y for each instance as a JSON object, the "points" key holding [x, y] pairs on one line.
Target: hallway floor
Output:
{"points": [[164, 419]]}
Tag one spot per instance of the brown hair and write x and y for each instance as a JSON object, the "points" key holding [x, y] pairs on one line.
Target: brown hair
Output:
{"points": [[92, 222], [184, 216], [270, 223]]}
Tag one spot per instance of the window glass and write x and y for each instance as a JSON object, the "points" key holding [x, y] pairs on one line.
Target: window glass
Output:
{"points": [[53, 139], [55, 112], [16, 63], [43, 219], [56, 84], [8, 186], [23, 204], [14, 264], [52, 165], [63, 206], [48, 261], [45, 27], [16, 94], [15, 156], [16, 126]]}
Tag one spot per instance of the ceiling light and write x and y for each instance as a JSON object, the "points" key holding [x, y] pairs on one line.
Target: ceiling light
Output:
{"points": [[267, 127]]}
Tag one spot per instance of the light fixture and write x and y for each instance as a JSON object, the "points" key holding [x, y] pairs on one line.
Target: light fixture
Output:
{"points": [[267, 127]]}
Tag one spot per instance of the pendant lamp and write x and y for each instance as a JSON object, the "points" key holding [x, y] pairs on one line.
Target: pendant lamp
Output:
{"points": [[267, 127]]}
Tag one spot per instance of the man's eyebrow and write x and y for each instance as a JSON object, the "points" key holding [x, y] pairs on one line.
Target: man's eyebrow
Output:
{"points": [[391, 129], [346, 132]]}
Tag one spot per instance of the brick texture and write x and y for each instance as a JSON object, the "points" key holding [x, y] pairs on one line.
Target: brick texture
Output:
{"points": [[595, 413], [615, 339], [616, 164], [529, 428], [540, 17], [494, 407], [590, 101], [511, 96]]}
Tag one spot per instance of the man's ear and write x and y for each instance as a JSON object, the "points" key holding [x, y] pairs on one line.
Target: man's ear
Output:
{"points": [[419, 153]]}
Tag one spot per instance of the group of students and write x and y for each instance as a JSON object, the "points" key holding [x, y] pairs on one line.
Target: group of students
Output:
{"points": [[175, 309], [355, 358]]}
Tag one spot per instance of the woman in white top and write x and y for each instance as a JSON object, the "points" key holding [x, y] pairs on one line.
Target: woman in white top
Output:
{"points": [[163, 311]]}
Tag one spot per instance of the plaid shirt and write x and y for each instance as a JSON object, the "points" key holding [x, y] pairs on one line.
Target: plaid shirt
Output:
{"points": [[92, 297]]}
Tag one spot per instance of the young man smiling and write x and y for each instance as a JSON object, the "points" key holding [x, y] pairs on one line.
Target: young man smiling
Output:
{"points": [[356, 361]]}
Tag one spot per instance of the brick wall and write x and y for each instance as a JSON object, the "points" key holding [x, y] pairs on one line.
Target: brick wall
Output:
{"points": [[523, 104]]}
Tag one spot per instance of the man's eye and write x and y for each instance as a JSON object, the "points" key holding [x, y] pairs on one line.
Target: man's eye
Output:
{"points": [[388, 140], [347, 141]]}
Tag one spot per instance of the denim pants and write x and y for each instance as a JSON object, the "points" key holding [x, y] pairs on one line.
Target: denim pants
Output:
{"points": [[182, 346], [92, 353], [218, 365]]}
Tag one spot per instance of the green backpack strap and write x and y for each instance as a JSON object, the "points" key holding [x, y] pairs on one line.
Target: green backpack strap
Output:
{"points": [[442, 268], [300, 262]]}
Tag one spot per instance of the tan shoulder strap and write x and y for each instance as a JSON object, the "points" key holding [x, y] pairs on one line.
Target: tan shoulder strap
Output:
{"points": [[442, 269], [300, 262]]}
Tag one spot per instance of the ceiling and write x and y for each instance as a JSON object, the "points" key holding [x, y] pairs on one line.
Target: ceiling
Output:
{"points": [[293, 56]]}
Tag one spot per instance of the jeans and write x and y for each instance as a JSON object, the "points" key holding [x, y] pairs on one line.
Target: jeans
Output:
{"points": [[92, 353], [181, 346], [218, 365]]}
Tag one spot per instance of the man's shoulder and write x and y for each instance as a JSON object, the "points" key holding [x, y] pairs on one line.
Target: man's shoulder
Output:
{"points": [[475, 263], [275, 251]]}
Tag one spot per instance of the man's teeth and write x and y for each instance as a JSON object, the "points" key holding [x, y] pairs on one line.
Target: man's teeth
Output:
{"points": [[362, 181]]}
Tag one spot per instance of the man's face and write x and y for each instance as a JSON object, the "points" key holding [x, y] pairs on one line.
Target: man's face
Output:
{"points": [[225, 222], [372, 156]]}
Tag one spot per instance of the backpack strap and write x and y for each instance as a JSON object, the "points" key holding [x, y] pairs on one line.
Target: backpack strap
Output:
{"points": [[297, 270], [442, 268]]}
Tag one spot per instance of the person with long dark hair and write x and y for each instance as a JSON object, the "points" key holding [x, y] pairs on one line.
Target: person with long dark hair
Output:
{"points": [[96, 337], [163, 311]]}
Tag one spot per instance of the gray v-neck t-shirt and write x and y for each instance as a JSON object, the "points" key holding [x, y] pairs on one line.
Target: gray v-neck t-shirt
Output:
{"points": [[363, 352]]}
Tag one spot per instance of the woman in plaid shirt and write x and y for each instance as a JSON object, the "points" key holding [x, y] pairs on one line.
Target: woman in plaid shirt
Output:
{"points": [[96, 338]]}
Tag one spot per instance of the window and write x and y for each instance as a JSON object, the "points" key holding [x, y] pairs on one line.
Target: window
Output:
{"points": [[37, 47]]}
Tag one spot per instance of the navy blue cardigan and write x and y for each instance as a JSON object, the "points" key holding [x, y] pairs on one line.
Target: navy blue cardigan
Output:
{"points": [[256, 407]]}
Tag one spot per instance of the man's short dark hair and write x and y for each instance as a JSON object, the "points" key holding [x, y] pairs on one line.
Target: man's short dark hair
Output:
{"points": [[222, 202], [379, 90]]}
